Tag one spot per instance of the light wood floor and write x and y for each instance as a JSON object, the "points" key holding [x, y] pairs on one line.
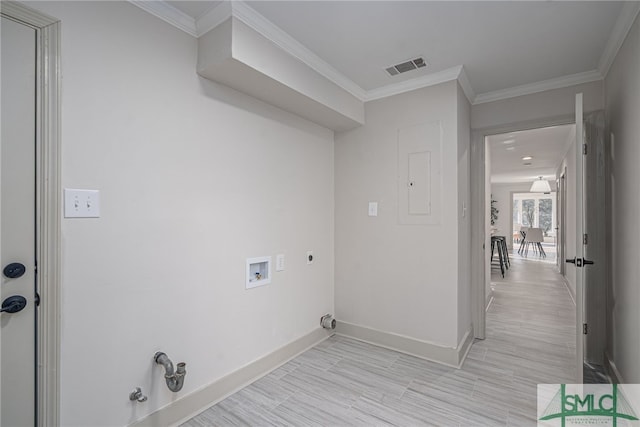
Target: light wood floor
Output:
{"points": [[343, 382]]}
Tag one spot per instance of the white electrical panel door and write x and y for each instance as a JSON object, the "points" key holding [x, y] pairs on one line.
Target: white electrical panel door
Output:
{"points": [[419, 174], [419, 186]]}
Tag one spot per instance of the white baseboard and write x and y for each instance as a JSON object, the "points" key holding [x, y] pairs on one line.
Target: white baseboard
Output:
{"points": [[192, 404], [612, 370], [425, 350]]}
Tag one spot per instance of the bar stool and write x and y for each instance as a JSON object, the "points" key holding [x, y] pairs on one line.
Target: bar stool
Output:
{"points": [[505, 250], [500, 243], [523, 243]]}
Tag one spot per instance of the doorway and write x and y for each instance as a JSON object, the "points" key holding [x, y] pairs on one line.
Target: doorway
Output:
{"points": [[518, 159], [17, 231], [583, 211], [30, 217], [481, 176], [536, 210]]}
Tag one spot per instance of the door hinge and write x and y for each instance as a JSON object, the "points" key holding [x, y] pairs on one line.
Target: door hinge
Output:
{"points": [[37, 300], [584, 149], [585, 329], [585, 239]]}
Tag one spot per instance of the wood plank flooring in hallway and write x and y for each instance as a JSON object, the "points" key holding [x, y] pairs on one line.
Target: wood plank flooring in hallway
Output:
{"points": [[342, 381]]}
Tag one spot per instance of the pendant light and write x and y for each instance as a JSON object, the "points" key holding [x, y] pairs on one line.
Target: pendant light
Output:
{"points": [[540, 186]]}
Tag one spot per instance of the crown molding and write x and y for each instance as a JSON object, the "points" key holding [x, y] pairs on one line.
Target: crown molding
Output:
{"points": [[418, 83], [169, 14], [213, 18], [249, 16], [466, 86], [24, 13], [630, 10], [556, 83], [270, 31]]}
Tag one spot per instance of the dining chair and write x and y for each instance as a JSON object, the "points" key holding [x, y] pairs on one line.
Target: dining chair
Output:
{"points": [[535, 237]]}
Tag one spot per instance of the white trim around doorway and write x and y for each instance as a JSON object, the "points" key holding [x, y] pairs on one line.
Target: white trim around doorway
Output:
{"points": [[479, 238], [47, 205]]}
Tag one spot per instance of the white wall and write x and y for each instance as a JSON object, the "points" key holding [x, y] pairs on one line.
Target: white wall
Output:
{"points": [[464, 213], [538, 106], [194, 178], [396, 278], [623, 109]]}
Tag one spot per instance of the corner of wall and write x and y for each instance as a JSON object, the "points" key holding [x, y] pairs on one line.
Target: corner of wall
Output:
{"points": [[463, 134]]}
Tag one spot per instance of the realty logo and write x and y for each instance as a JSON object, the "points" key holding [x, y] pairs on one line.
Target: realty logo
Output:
{"points": [[585, 404]]}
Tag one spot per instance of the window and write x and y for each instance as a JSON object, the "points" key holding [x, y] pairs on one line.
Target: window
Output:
{"points": [[534, 210], [545, 215], [529, 212]]}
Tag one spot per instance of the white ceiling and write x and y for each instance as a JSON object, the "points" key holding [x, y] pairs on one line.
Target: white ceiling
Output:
{"points": [[548, 146], [500, 44]]}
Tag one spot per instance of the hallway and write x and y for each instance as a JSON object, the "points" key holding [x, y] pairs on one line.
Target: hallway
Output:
{"points": [[531, 316], [341, 381]]}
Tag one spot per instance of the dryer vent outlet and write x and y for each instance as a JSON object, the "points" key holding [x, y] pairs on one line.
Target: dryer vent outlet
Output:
{"points": [[328, 322]]}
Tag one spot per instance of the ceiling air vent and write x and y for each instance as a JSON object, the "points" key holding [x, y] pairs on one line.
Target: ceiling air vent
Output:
{"points": [[406, 66]]}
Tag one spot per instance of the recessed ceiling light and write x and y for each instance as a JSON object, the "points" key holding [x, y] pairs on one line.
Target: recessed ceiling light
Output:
{"points": [[510, 148], [527, 158], [509, 141]]}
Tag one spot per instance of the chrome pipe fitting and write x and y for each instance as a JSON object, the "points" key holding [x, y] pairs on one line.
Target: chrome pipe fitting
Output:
{"points": [[174, 379], [328, 322], [136, 395]]}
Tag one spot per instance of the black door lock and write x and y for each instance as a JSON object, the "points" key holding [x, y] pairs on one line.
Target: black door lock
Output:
{"points": [[13, 304], [14, 270], [579, 262]]}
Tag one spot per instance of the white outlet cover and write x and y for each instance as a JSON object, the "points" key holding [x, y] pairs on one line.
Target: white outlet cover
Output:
{"points": [[81, 203], [373, 208], [280, 262]]}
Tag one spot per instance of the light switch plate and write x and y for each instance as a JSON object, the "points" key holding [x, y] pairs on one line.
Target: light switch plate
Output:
{"points": [[81, 203], [373, 208], [280, 262]]}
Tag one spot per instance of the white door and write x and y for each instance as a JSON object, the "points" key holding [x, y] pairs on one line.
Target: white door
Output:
{"points": [[17, 225], [595, 166], [579, 256], [590, 260], [562, 235]]}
